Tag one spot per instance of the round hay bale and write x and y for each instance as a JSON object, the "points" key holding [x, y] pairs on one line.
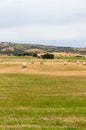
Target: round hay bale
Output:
{"points": [[41, 62], [24, 65], [1, 60], [84, 63], [32, 61], [65, 63], [77, 62]]}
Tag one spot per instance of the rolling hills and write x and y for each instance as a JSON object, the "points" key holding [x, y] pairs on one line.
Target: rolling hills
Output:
{"points": [[13, 48]]}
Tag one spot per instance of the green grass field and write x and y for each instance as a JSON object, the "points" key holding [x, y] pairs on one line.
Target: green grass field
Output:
{"points": [[42, 102], [26, 58], [71, 58]]}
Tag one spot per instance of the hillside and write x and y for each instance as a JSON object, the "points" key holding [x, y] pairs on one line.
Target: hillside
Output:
{"points": [[14, 48]]}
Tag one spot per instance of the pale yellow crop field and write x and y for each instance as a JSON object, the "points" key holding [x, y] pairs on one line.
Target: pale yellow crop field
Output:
{"points": [[38, 66]]}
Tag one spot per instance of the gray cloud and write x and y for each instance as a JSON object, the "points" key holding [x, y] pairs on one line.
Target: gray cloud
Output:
{"points": [[45, 21]]}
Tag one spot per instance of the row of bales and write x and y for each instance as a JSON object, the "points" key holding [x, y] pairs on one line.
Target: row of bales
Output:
{"points": [[77, 62], [74, 61], [41, 62], [24, 64]]}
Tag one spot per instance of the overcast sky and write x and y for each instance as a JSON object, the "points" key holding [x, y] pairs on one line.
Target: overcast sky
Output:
{"points": [[52, 22]]}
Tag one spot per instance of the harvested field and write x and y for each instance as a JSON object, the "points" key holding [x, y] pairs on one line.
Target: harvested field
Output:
{"points": [[42, 97]]}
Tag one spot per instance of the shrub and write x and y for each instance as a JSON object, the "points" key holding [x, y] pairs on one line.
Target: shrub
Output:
{"points": [[35, 55], [47, 56]]}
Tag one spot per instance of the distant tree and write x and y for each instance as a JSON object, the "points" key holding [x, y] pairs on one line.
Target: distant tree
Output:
{"points": [[47, 56], [23, 54], [35, 55], [26, 54]]}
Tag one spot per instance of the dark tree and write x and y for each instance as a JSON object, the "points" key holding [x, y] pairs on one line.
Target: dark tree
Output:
{"points": [[47, 56], [35, 55]]}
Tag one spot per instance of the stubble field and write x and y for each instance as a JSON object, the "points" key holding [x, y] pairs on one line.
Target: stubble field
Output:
{"points": [[43, 96]]}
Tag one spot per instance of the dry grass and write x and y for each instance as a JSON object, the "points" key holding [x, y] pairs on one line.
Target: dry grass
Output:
{"points": [[47, 67], [51, 96]]}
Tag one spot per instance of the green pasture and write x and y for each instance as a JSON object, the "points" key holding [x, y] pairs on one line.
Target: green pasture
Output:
{"points": [[15, 58], [71, 58], [42, 102], [27, 58]]}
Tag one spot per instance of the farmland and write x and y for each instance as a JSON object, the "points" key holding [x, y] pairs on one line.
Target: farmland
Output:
{"points": [[48, 96]]}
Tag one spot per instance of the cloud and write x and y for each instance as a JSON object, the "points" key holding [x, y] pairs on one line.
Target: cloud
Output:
{"points": [[46, 32], [43, 20]]}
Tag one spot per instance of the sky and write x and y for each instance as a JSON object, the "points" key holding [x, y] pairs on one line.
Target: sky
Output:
{"points": [[48, 22]]}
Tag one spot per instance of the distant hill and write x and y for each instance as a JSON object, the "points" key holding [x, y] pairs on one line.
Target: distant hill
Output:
{"points": [[15, 48]]}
